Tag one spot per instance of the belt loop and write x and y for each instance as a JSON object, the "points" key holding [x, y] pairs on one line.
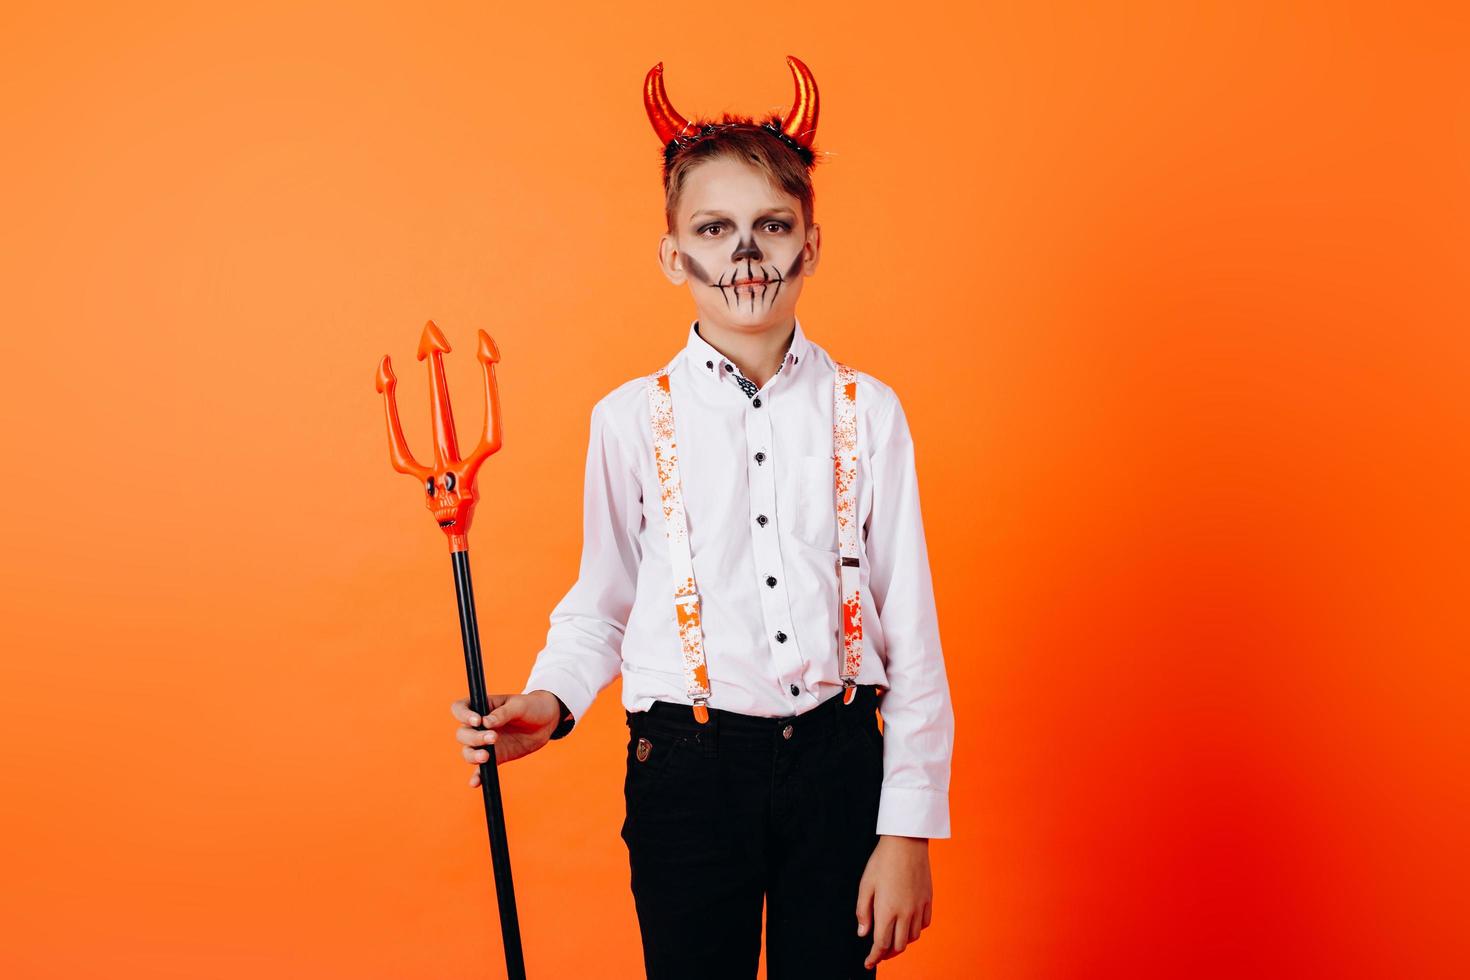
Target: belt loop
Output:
{"points": [[709, 734], [862, 704], [832, 721]]}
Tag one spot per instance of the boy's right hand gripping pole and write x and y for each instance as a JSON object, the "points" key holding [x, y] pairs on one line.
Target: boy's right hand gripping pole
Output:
{"points": [[449, 488]]}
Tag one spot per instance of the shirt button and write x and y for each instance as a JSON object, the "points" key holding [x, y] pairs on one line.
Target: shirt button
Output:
{"points": [[756, 403], [761, 519], [786, 732], [710, 365], [760, 457], [729, 368], [795, 690], [771, 581], [780, 637]]}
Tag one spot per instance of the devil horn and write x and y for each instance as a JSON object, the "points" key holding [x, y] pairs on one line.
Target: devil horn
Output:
{"points": [[667, 122], [801, 122]]}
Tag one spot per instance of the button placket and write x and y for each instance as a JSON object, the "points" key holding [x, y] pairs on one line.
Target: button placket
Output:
{"points": [[774, 598]]}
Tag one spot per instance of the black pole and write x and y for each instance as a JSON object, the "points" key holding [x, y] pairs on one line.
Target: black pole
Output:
{"points": [[469, 630]]}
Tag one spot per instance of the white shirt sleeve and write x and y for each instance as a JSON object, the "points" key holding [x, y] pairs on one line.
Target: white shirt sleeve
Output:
{"points": [[918, 718], [583, 651]]}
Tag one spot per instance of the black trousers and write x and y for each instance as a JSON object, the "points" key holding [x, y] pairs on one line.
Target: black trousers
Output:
{"points": [[744, 811]]}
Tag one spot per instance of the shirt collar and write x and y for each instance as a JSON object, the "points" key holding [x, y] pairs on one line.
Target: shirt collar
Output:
{"points": [[706, 360]]}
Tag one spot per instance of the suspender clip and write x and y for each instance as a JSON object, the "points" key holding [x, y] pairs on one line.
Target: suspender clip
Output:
{"points": [[849, 690], [701, 710]]}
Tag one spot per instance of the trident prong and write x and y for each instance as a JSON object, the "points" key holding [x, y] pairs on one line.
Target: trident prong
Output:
{"points": [[398, 453], [434, 345], [488, 356]]}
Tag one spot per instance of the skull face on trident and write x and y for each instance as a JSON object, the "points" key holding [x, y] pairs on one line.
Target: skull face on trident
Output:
{"points": [[449, 484]]}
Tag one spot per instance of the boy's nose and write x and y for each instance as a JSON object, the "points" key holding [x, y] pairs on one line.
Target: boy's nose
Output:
{"points": [[747, 250]]}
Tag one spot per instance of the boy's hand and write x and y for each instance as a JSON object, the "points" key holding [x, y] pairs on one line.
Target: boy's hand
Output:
{"points": [[517, 725], [895, 889]]}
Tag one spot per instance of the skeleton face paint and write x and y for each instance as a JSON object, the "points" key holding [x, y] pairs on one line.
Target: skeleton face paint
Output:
{"points": [[751, 283], [742, 243]]}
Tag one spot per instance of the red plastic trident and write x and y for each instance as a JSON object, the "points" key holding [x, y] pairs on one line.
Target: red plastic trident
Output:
{"points": [[450, 488]]}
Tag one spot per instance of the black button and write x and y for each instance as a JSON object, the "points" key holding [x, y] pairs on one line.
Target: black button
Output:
{"points": [[794, 689], [760, 457], [780, 637], [771, 581], [710, 365], [761, 519], [756, 403], [729, 367]]}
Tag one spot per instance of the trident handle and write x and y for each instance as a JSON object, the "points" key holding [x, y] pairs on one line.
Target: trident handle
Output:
{"points": [[469, 631], [449, 487]]}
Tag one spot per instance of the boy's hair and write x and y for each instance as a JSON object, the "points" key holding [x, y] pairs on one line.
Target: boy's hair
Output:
{"points": [[740, 138]]}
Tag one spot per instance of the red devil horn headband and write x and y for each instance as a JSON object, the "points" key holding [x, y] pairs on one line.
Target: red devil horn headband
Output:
{"points": [[800, 124]]}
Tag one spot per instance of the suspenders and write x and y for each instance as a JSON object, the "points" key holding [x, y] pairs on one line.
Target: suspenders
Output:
{"points": [[681, 560], [686, 596], [844, 460]]}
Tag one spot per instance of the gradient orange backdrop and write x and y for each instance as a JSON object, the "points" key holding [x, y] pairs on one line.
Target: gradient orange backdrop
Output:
{"points": [[1175, 300]]}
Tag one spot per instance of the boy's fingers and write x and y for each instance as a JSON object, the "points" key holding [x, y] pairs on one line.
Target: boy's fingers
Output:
{"points": [[900, 935], [475, 780], [864, 907], [474, 736], [928, 913], [882, 941], [507, 711], [461, 709], [461, 712]]}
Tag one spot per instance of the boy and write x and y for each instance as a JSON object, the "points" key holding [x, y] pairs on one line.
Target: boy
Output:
{"points": [[759, 769]]}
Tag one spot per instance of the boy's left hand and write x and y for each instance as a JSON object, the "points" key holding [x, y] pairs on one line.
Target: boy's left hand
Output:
{"points": [[897, 891]]}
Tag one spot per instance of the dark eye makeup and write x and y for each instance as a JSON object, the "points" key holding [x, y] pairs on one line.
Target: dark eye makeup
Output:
{"points": [[783, 226]]}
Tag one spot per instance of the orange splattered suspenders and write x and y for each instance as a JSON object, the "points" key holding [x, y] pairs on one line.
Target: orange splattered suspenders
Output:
{"points": [[686, 593]]}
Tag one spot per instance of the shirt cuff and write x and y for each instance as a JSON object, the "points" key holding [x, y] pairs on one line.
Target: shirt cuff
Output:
{"points": [[572, 690], [904, 812]]}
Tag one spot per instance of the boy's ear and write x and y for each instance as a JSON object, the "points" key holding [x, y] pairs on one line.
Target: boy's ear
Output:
{"points": [[670, 261], [813, 246]]}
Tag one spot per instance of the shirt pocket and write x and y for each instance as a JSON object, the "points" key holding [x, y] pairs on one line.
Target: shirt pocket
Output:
{"points": [[815, 519]]}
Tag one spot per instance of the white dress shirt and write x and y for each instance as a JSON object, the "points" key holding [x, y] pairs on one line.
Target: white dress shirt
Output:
{"points": [[756, 468]]}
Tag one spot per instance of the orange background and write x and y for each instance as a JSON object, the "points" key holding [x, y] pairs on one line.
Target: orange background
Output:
{"points": [[1176, 304]]}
